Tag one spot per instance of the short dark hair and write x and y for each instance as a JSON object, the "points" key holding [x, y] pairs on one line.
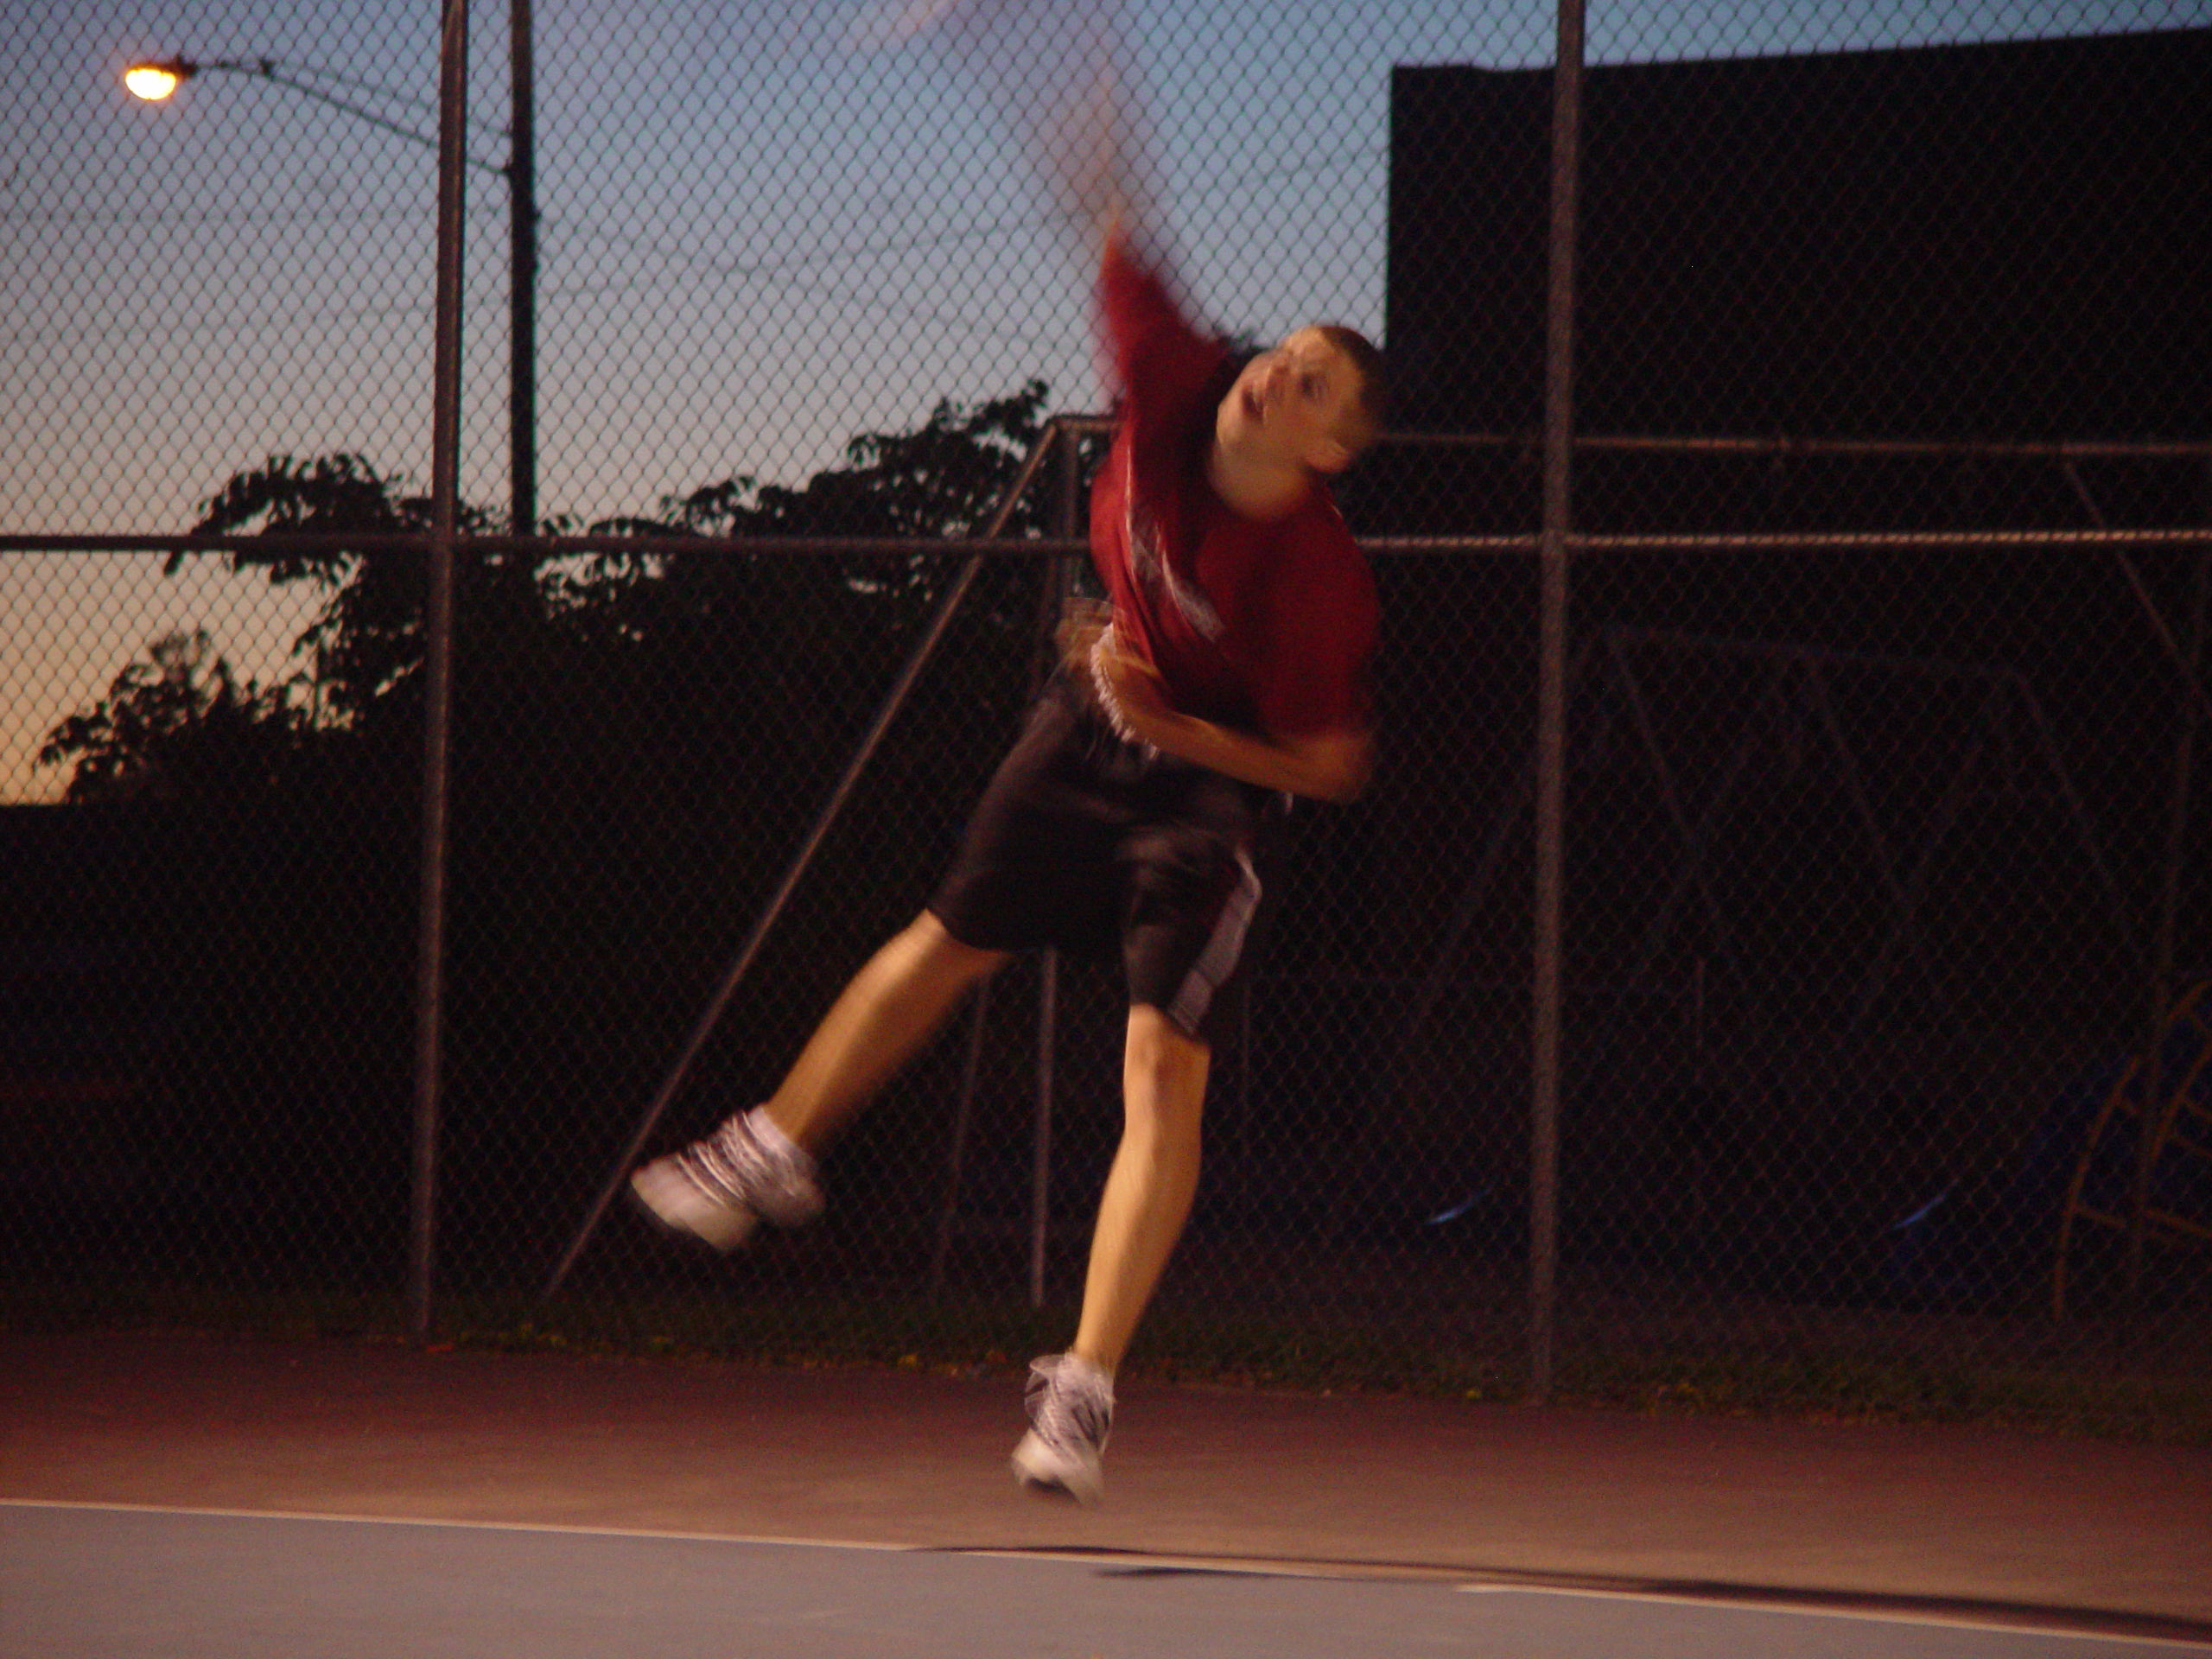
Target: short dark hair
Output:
{"points": [[1372, 406]]}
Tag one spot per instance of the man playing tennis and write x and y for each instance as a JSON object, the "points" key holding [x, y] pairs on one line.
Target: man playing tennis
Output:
{"points": [[1131, 812]]}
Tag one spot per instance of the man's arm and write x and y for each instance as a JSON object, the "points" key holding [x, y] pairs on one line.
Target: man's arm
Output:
{"points": [[1322, 766], [1161, 364], [1330, 766]]}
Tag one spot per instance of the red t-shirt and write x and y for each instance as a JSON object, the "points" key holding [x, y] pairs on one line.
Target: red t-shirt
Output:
{"points": [[1264, 625]]}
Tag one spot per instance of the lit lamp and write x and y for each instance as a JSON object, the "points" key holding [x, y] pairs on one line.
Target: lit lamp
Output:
{"points": [[155, 81]]}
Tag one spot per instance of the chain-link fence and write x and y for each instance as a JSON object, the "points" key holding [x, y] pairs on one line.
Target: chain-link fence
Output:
{"points": [[1881, 1056]]}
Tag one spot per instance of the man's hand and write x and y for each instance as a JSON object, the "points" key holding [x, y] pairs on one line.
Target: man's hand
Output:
{"points": [[1133, 685], [1082, 621], [1322, 766]]}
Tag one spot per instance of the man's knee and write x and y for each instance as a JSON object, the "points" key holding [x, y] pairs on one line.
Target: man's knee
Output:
{"points": [[1165, 1066], [1155, 1030], [941, 954]]}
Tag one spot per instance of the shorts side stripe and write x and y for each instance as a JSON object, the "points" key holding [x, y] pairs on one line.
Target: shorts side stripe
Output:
{"points": [[1218, 960]]}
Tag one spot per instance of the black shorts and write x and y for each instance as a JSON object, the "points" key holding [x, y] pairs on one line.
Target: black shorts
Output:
{"points": [[1086, 841]]}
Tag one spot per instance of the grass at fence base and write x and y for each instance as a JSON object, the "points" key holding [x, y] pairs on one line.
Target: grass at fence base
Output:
{"points": [[979, 1337], [1859, 1388]]}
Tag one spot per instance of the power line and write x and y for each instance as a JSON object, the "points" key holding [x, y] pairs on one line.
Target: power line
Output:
{"points": [[965, 233], [241, 216], [748, 272]]}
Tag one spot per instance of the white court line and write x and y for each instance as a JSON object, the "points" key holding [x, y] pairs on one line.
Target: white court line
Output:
{"points": [[439, 1521], [1011, 1552], [1348, 1572], [1780, 1603]]}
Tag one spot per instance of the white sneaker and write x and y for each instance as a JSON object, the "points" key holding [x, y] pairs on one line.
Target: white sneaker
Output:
{"points": [[719, 1188], [1071, 1413]]}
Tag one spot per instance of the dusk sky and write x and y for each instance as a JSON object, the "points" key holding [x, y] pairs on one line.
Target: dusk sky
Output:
{"points": [[759, 237]]}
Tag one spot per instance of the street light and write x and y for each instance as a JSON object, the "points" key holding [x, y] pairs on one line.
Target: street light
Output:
{"points": [[153, 80]]}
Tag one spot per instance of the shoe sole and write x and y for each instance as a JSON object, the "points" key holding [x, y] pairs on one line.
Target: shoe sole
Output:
{"points": [[740, 1229], [1038, 1472]]}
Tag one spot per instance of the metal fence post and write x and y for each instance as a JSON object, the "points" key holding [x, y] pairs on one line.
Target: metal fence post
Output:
{"points": [[1057, 579], [1551, 706], [522, 275], [1040, 1155], [437, 669]]}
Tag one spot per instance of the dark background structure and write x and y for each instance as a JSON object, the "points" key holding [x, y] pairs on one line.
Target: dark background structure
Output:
{"points": [[1949, 291], [1997, 241]]}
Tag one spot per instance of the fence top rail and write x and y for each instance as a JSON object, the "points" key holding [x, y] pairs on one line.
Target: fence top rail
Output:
{"points": [[1783, 445], [558, 547], [550, 546], [1777, 443], [1876, 540]]}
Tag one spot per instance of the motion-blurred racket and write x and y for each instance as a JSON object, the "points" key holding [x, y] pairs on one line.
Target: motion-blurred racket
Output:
{"points": [[1060, 76]]}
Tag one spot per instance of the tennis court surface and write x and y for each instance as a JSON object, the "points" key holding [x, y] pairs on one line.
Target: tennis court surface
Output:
{"points": [[182, 1496]]}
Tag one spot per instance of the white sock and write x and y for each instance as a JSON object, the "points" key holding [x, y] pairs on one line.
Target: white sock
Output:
{"points": [[775, 1142], [1091, 1371]]}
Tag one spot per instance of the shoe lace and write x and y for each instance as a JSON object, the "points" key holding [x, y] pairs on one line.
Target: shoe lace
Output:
{"points": [[1067, 1406], [735, 1161], [770, 1180]]}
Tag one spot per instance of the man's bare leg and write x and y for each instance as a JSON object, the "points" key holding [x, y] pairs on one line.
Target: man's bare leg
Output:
{"points": [[888, 1010], [1150, 1187], [759, 1166], [1140, 1215]]}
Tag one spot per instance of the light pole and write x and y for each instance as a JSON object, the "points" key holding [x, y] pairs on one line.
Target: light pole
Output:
{"points": [[156, 80]]}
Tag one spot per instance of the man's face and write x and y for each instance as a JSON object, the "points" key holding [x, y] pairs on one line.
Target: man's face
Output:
{"points": [[1293, 404]]}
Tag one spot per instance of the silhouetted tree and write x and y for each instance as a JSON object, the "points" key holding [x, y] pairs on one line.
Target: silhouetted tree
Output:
{"points": [[940, 480], [178, 724], [639, 740], [367, 637]]}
